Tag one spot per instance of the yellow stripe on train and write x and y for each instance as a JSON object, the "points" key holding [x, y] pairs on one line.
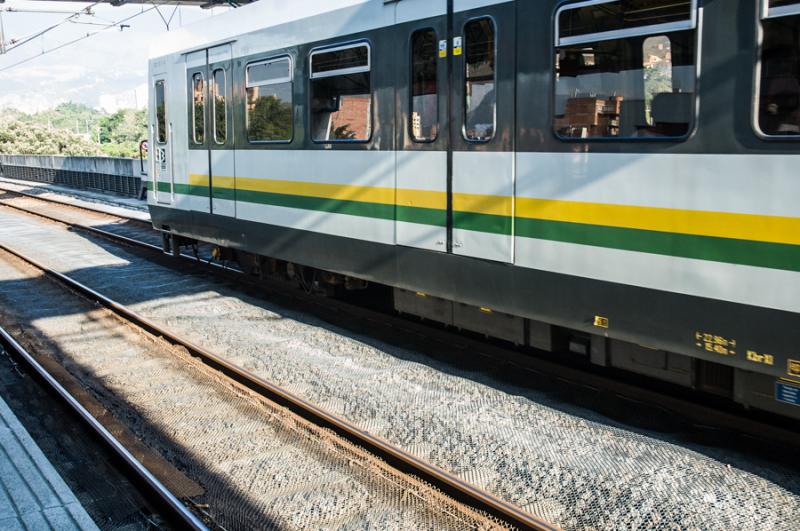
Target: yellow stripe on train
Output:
{"points": [[755, 227]]}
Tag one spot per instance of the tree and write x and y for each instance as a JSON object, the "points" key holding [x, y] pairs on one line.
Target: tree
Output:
{"points": [[92, 132], [657, 80], [18, 138], [269, 118], [11, 115], [121, 132], [75, 117]]}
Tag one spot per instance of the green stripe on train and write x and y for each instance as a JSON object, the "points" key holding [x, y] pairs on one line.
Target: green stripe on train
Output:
{"points": [[711, 248]]}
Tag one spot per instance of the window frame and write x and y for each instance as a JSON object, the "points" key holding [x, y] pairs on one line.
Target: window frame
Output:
{"points": [[411, 91], [247, 85], [464, 79], [356, 70], [764, 13], [339, 48], [652, 29], [226, 97], [193, 136], [697, 24], [158, 130], [777, 12]]}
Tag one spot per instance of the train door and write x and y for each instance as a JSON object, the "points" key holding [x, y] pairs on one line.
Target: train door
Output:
{"points": [[423, 126], [222, 169], [163, 178], [482, 130], [198, 157], [211, 156]]}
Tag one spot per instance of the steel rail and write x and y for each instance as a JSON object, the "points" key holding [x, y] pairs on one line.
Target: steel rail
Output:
{"points": [[450, 484], [100, 232], [72, 205], [179, 511]]}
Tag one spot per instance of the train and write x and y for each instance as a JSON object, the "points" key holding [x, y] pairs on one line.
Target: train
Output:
{"points": [[613, 178]]}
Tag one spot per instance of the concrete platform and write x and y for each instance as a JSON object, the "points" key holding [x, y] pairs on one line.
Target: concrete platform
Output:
{"points": [[32, 493], [104, 202]]}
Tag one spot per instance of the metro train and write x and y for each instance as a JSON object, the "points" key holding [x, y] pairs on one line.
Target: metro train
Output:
{"points": [[618, 178]]}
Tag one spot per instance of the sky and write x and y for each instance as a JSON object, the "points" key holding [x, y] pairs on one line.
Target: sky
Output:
{"points": [[107, 71]]}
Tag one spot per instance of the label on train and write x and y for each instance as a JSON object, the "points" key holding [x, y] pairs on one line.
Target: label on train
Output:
{"points": [[786, 392]]}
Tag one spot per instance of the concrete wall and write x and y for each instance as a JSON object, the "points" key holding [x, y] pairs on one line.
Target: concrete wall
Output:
{"points": [[122, 176]]}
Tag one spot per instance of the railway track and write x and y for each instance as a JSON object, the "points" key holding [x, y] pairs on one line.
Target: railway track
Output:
{"points": [[444, 344], [178, 513], [451, 346], [451, 485]]}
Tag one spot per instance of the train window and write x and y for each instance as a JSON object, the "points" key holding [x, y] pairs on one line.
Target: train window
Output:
{"points": [[161, 113], [198, 108], [424, 89], [480, 100], [219, 95], [625, 69], [640, 17], [269, 101], [341, 94], [779, 91]]}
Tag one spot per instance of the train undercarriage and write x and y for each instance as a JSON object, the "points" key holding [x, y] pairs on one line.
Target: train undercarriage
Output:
{"points": [[749, 389]]}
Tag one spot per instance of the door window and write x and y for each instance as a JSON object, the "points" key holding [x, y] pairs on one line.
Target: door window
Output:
{"points": [[198, 108], [424, 117], [480, 95], [161, 113], [219, 96]]}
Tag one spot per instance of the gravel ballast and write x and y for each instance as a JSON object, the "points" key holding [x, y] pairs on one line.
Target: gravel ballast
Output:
{"points": [[565, 464], [260, 466]]}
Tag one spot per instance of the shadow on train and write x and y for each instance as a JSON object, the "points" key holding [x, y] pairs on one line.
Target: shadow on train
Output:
{"points": [[151, 282]]}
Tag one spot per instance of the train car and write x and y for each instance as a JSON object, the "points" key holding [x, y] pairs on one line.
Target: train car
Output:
{"points": [[616, 177]]}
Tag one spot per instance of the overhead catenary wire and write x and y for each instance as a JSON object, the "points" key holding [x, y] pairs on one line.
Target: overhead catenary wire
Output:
{"points": [[74, 41], [25, 40]]}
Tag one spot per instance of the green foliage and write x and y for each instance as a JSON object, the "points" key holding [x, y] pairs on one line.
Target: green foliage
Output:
{"points": [[128, 150], [73, 129], [125, 125], [657, 80], [75, 117], [269, 118], [30, 139], [220, 124], [199, 122], [121, 132], [11, 115]]}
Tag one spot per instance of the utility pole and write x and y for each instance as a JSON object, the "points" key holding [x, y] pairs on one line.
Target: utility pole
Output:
{"points": [[2, 36]]}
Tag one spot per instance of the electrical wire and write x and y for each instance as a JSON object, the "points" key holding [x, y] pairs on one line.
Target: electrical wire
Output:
{"points": [[69, 43], [82, 23], [28, 39]]}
